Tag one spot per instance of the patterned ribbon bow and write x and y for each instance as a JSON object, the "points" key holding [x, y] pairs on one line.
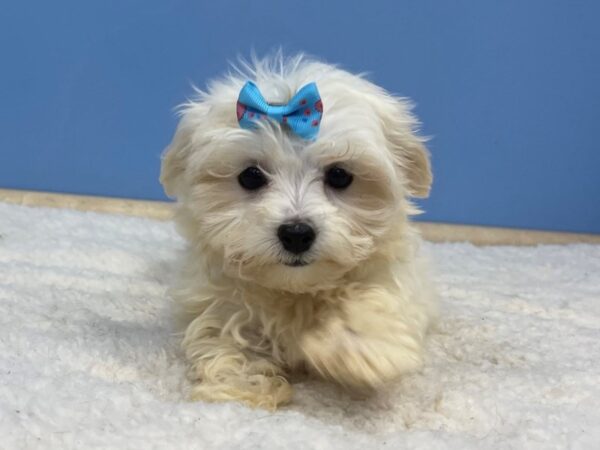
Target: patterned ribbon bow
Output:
{"points": [[302, 114]]}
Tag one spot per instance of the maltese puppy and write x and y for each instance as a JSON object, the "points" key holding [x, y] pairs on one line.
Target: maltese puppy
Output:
{"points": [[293, 181]]}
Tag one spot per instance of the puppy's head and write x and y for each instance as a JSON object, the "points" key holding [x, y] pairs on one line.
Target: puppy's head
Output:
{"points": [[266, 206]]}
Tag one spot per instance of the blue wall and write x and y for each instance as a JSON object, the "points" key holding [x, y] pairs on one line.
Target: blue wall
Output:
{"points": [[509, 90]]}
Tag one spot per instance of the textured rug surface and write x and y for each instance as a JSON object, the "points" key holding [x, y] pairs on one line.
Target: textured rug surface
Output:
{"points": [[88, 357]]}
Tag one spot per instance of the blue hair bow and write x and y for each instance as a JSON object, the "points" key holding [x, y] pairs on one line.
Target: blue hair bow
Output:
{"points": [[302, 114]]}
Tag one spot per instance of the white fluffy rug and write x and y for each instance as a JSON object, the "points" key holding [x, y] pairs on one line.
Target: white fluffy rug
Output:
{"points": [[88, 358]]}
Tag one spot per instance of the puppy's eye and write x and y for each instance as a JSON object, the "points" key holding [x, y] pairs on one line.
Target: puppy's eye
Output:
{"points": [[252, 178], [338, 178]]}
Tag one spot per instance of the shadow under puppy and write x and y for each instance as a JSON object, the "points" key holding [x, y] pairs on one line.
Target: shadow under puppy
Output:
{"points": [[292, 179]]}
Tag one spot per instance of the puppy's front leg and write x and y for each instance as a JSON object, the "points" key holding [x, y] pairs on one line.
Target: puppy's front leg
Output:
{"points": [[222, 371], [365, 340]]}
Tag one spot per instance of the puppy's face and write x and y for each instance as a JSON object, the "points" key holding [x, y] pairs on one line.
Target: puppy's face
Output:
{"points": [[290, 214]]}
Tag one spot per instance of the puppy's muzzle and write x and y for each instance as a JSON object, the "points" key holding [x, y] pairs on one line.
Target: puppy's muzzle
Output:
{"points": [[296, 237]]}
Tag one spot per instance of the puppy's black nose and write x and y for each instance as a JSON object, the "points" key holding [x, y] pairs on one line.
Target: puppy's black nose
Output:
{"points": [[296, 237]]}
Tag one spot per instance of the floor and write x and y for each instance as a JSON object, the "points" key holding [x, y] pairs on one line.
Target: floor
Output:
{"points": [[89, 357]]}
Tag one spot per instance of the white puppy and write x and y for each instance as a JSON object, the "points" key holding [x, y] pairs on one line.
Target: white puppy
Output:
{"points": [[301, 254]]}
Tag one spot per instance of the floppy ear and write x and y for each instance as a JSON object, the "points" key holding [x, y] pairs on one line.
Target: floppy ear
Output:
{"points": [[408, 148], [174, 160], [413, 158], [175, 156]]}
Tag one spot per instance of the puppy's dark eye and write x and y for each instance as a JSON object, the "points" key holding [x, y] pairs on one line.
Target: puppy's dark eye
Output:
{"points": [[252, 178], [338, 178]]}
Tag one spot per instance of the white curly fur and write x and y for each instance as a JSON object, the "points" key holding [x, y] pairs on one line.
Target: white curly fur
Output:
{"points": [[358, 312]]}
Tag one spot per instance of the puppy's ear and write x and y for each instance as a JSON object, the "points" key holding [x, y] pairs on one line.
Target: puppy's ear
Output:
{"points": [[408, 149], [174, 160], [176, 155]]}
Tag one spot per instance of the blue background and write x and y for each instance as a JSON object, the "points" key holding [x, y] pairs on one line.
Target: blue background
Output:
{"points": [[508, 89]]}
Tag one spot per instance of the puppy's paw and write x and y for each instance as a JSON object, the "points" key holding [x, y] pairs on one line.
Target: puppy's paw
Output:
{"points": [[358, 360], [256, 391]]}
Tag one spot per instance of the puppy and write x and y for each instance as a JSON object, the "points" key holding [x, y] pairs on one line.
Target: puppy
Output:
{"points": [[296, 203]]}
